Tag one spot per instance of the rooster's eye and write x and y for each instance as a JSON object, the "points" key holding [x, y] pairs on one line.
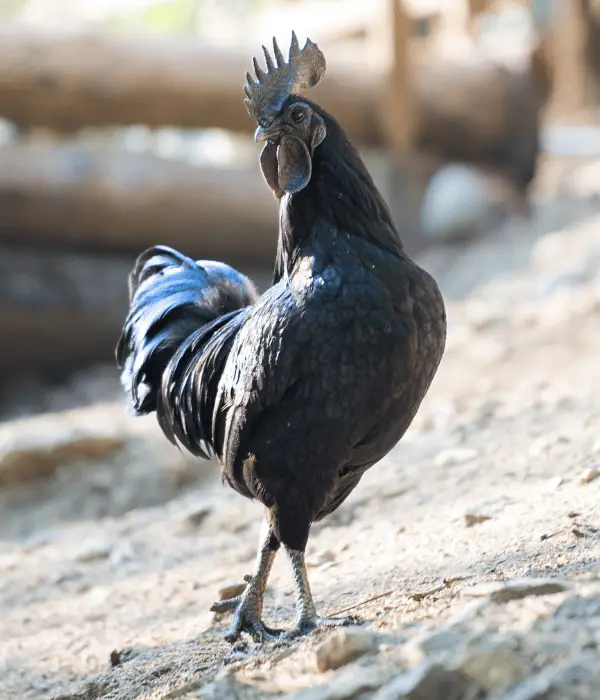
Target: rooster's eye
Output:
{"points": [[297, 115]]}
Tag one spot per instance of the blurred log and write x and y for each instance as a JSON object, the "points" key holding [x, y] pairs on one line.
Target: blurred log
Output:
{"points": [[70, 80], [67, 81], [574, 54], [118, 200], [453, 126], [59, 309], [62, 309], [114, 200]]}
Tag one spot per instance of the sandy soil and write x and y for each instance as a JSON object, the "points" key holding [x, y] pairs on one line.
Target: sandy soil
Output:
{"points": [[109, 565]]}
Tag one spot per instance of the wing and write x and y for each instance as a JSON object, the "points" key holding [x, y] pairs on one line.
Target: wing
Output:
{"points": [[261, 368]]}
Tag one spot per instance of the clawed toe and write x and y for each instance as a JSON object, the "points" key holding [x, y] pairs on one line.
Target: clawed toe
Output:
{"points": [[222, 606], [245, 621], [257, 630], [246, 618], [310, 624]]}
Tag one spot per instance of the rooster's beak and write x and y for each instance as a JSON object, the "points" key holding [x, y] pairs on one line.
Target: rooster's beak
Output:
{"points": [[266, 134]]}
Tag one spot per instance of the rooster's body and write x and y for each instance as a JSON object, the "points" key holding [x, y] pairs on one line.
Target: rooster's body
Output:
{"points": [[297, 392]]}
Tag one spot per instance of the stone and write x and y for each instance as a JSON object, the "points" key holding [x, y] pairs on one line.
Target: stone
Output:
{"points": [[475, 518], [552, 484], [456, 204], [231, 589], [504, 591], [589, 474], [225, 687], [342, 646], [321, 558], [421, 595], [350, 683], [493, 669], [93, 549], [455, 455], [438, 641], [572, 680], [37, 446], [123, 553], [196, 517], [428, 681]]}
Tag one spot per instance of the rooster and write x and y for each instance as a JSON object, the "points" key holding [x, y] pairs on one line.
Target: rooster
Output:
{"points": [[299, 391]]}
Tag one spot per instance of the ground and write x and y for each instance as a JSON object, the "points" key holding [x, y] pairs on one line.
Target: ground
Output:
{"points": [[471, 553]]}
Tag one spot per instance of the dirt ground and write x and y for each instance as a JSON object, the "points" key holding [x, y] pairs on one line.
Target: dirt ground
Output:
{"points": [[476, 541]]}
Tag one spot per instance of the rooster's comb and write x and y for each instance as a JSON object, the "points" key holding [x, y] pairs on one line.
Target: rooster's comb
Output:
{"points": [[265, 95]]}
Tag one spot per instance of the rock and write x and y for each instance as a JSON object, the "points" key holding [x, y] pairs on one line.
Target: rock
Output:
{"points": [[93, 550], [437, 642], [573, 680], [231, 589], [456, 204], [545, 443], [225, 687], [343, 646], [455, 578], [552, 484], [504, 591], [36, 446], [123, 553], [475, 518], [191, 522], [455, 455], [429, 681], [321, 558], [197, 516], [493, 669], [348, 684], [420, 595], [590, 474]]}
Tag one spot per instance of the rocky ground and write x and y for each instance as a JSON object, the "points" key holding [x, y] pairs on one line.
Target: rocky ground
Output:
{"points": [[471, 553]]}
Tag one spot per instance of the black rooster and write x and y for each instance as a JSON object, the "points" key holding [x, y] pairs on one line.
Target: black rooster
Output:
{"points": [[297, 392]]}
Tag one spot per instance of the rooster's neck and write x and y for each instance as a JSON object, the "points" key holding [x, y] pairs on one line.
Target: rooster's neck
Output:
{"points": [[340, 195]]}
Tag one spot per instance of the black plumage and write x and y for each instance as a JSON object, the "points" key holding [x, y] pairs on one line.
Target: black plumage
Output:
{"points": [[299, 391]]}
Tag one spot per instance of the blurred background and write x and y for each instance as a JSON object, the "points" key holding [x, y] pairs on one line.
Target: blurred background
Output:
{"points": [[122, 125]]}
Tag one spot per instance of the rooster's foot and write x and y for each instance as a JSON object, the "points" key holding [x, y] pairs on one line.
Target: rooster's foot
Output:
{"points": [[306, 625], [246, 618]]}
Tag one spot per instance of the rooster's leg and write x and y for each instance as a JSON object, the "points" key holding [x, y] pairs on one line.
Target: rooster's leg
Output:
{"points": [[248, 605], [307, 619]]}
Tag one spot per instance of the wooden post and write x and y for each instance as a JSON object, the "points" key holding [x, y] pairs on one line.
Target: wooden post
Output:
{"points": [[571, 48], [399, 106], [475, 9]]}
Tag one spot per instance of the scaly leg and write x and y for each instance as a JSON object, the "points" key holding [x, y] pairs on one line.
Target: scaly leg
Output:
{"points": [[248, 606], [307, 619]]}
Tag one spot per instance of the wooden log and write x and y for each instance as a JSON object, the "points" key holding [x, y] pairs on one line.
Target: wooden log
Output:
{"points": [[110, 199], [69, 80], [59, 309], [504, 136], [62, 309], [83, 198]]}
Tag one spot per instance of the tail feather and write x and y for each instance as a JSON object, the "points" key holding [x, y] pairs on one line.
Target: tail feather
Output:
{"points": [[176, 304], [186, 405]]}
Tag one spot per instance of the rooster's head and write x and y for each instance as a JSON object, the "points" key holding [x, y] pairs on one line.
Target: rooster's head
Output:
{"points": [[290, 127]]}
